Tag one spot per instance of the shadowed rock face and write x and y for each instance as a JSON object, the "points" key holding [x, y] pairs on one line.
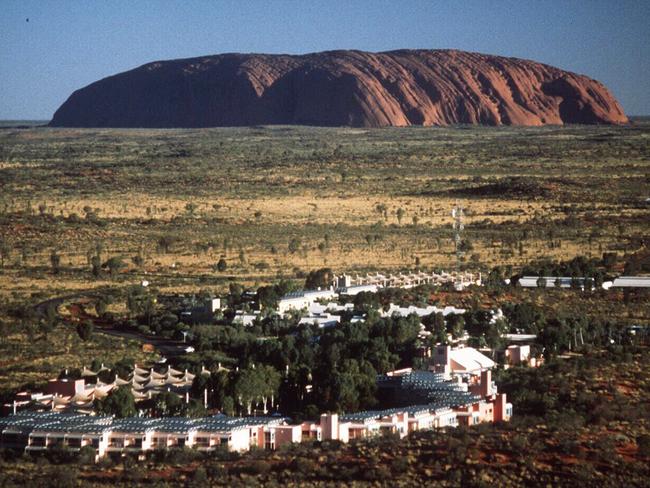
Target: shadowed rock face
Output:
{"points": [[341, 88]]}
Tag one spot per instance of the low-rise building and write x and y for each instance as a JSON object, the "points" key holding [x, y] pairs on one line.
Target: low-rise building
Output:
{"points": [[38, 431], [79, 395], [632, 282], [460, 361], [302, 300]]}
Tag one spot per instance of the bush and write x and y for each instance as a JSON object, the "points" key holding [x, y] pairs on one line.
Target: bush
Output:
{"points": [[216, 471], [60, 455], [86, 455], [62, 477], [258, 467], [399, 465], [643, 445], [200, 478], [222, 265], [303, 466]]}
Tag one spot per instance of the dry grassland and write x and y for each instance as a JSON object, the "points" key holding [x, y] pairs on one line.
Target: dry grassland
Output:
{"points": [[247, 194]]}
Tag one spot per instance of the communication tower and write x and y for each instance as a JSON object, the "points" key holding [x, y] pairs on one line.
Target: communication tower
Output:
{"points": [[457, 214]]}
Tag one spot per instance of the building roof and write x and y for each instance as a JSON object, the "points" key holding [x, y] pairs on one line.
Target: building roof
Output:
{"points": [[65, 423], [632, 281], [308, 294], [422, 312], [469, 359], [368, 416], [425, 389], [531, 281]]}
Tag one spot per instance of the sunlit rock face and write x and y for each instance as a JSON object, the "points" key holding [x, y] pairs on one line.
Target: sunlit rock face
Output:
{"points": [[341, 88]]}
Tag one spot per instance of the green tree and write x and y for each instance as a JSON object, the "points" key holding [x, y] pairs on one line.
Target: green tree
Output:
{"points": [[400, 215], [294, 245], [167, 404], [25, 251], [138, 260], [495, 278], [455, 325], [382, 210], [165, 242], [114, 265], [271, 380], [86, 455], [85, 330], [101, 306], [120, 403], [320, 278], [5, 251], [353, 386], [435, 323], [222, 265], [96, 266], [247, 388], [55, 261], [228, 406]]}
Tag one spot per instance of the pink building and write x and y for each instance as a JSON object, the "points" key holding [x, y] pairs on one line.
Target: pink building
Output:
{"points": [[462, 360], [66, 387], [287, 434]]}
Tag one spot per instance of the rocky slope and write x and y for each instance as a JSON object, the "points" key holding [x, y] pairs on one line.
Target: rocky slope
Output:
{"points": [[338, 88]]}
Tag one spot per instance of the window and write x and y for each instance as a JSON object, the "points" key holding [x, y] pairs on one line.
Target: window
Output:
{"points": [[116, 442], [74, 442], [38, 441]]}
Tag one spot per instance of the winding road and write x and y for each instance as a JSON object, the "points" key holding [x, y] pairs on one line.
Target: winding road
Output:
{"points": [[166, 347]]}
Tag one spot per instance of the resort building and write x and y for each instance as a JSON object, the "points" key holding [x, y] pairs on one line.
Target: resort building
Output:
{"points": [[79, 395], [464, 361], [632, 282], [302, 300], [346, 283], [38, 431], [423, 400]]}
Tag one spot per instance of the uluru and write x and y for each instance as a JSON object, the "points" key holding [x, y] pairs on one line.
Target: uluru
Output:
{"points": [[341, 88]]}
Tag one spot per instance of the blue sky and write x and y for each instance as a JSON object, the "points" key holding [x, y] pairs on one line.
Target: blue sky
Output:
{"points": [[68, 44]]}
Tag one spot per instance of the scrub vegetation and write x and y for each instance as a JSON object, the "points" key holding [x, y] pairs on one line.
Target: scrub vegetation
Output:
{"points": [[263, 203], [87, 215], [579, 421]]}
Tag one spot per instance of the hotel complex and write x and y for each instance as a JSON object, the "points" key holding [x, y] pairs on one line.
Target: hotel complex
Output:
{"points": [[458, 392]]}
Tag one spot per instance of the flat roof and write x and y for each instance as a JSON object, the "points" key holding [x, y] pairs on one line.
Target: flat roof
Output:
{"points": [[54, 422]]}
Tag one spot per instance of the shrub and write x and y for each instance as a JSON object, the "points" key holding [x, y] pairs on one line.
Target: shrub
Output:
{"points": [[62, 477], [258, 467], [303, 466], [399, 465], [86, 455], [643, 444]]}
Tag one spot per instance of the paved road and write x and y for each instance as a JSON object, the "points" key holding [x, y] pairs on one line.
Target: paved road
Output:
{"points": [[166, 347]]}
